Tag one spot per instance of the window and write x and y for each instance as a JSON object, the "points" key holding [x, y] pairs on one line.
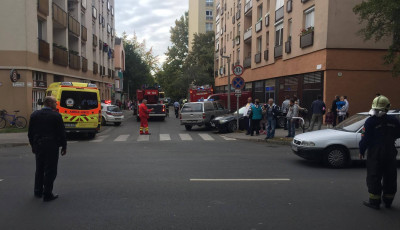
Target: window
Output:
{"points": [[40, 29], [259, 12], [267, 40], [209, 15], [209, 27], [192, 107], [289, 29], [279, 35], [83, 4], [209, 2], [78, 100], [279, 4], [309, 22], [259, 46]]}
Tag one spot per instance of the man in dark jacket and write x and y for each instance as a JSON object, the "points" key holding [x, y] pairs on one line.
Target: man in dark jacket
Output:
{"points": [[271, 111], [334, 110], [379, 137], [46, 134], [318, 110]]}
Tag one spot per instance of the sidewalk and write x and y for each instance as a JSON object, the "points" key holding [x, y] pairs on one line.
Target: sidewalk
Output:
{"points": [[13, 139], [278, 139]]}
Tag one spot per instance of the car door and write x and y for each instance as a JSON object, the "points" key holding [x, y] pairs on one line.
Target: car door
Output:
{"points": [[220, 110]]}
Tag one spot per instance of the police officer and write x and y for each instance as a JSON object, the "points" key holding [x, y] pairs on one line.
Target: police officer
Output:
{"points": [[379, 137], [46, 134]]}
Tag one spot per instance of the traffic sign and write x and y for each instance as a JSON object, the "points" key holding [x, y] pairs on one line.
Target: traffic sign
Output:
{"points": [[238, 70], [238, 82], [238, 92]]}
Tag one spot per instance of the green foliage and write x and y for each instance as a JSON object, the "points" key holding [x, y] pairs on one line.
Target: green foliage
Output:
{"points": [[382, 19]]}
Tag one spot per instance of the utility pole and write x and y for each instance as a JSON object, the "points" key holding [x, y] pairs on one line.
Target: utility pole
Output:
{"points": [[229, 81]]}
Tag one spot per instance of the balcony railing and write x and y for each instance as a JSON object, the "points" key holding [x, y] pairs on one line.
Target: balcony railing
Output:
{"points": [[257, 57], [307, 40], [248, 6], [247, 34], [43, 7], [60, 16], [278, 51], [289, 6], [60, 56], [288, 47], [44, 50], [258, 25], [74, 61], [266, 55], [238, 14], [95, 41], [84, 33], [74, 26], [95, 68], [84, 64], [247, 62], [279, 14]]}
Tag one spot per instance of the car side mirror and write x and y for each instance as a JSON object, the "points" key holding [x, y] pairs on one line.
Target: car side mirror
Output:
{"points": [[39, 102]]}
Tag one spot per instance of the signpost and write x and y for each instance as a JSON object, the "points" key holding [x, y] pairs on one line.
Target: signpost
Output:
{"points": [[237, 82]]}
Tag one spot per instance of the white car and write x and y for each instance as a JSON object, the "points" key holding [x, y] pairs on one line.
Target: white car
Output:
{"points": [[111, 113], [336, 147]]}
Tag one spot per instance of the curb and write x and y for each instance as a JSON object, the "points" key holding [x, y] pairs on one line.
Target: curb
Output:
{"points": [[277, 141], [10, 145]]}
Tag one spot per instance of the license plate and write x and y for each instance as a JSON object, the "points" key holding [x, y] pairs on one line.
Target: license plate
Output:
{"points": [[212, 125], [117, 118], [70, 125], [294, 148]]}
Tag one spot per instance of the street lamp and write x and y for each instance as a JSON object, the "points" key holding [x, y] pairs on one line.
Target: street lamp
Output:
{"points": [[229, 81]]}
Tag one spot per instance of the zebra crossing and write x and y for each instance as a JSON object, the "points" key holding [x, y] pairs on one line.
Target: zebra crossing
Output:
{"points": [[164, 137]]}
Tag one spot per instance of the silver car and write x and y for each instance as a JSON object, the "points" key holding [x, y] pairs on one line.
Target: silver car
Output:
{"points": [[111, 113], [200, 113], [336, 147]]}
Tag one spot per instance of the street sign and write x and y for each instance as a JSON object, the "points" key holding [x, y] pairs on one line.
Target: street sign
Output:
{"points": [[238, 92], [238, 70], [238, 82]]}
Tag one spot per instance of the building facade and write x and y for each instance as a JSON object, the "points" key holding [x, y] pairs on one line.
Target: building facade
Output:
{"points": [[301, 47], [201, 18], [47, 41], [119, 66]]}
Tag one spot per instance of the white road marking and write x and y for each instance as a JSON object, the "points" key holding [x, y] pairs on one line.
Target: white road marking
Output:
{"points": [[143, 138], [185, 137], [122, 137], [100, 138], [237, 180], [206, 137], [1, 180], [228, 138], [165, 137]]}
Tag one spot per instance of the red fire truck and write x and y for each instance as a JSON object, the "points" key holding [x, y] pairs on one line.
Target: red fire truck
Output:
{"points": [[152, 95], [199, 93]]}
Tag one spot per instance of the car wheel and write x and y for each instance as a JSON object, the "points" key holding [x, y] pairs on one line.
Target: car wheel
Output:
{"points": [[336, 157], [117, 123], [188, 127], [103, 121], [232, 126]]}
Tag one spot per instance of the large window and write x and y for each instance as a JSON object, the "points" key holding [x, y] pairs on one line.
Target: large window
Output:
{"points": [[279, 4], [279, 35], [209, 2], [78, 100], [209, 15], [209, 27], [309, 14]]}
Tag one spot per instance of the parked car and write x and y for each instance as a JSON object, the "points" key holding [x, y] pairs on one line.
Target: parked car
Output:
{"points": [[228, 122], [335, 147], [200, 113], [111, 113]]}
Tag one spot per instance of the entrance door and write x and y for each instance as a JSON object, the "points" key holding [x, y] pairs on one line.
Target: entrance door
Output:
{"points": [[36, 95]]}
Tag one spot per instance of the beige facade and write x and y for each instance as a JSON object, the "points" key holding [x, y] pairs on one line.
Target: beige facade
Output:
{"points": [[297, 47], [201, 18], [47, 41], [119, 65]]}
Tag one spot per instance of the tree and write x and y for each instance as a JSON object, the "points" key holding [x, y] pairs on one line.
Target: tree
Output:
{"points": [[382, 18]]}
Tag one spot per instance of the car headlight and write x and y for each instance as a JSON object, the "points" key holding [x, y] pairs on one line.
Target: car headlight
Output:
{"points": [[308, 143], [223, 121]]}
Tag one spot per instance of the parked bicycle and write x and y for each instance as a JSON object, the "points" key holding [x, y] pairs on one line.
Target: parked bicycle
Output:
{"points": [[14, 120]]}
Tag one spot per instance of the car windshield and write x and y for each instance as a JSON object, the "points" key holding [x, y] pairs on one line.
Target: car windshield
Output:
{"points": [[353, 123], [193, 107], [78, 100], [241, 110], [113, 109]]}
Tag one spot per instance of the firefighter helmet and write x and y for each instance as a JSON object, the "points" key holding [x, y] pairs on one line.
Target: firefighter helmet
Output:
{"points": [[381, 103]]}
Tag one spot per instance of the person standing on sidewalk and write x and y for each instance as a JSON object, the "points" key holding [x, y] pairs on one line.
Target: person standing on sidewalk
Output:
{"points": [[256, 116], [341, 109], [379, 136], [318, 110], [46, 135], [334, 110], [285, 107], [247, 117], [272, 112], [293, 111]]}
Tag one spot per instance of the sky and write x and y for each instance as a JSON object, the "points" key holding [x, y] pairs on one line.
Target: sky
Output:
{"points": [[150, 20]]}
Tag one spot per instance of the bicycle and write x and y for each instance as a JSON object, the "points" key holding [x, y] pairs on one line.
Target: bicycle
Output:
{"points": [[19, 121]]}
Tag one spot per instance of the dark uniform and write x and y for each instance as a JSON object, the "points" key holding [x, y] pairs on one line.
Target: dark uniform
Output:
{"points": [[380, 134], [46, 134]]}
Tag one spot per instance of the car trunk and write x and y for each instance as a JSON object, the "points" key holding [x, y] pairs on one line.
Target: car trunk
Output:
{"points": [[192, 112]]}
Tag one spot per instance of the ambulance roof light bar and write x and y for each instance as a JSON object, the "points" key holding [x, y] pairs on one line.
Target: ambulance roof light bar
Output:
{"points": [[67, 83], [92, 85]]}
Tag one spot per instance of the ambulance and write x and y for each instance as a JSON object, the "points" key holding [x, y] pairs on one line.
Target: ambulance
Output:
{"points": [[79, 105]]}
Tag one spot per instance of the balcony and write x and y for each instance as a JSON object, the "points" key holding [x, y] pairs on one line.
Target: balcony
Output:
{"points": [[74, 61], [95, 68], [217, 18], [257, 57], [74, 26], [289, 6], [43, 7], [95, 41], [238, 14], [84, 33], [266, 55], [60, 55], [247, 34], [307, 40], [59, 17], [248, 6], [288, 47], [278, 51], [84, 64], [247, 62], [259, 25], [279, 14], [44, 50]]}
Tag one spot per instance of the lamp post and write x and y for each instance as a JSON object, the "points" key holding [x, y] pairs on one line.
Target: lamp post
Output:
{"points": [[229, 81]]}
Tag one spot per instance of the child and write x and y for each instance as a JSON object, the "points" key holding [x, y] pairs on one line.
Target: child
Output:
{"points": [[329, 119]]}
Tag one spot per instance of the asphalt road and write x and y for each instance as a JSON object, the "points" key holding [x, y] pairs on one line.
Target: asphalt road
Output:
{"points": [[118, 181]]}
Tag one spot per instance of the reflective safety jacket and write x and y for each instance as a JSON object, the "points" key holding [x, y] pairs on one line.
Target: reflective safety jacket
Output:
{"points": [[143, 111]]}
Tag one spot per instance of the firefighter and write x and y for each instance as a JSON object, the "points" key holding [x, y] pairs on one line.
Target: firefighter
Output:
{"points": [[144, 116], [379, 137]]}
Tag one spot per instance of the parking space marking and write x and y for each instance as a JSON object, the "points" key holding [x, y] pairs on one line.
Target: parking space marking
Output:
{"points": [[206, 137], [165, 137], [100, 138], [185, 137], [122, 137], [238, 180], [143, 138], [228, 138]]}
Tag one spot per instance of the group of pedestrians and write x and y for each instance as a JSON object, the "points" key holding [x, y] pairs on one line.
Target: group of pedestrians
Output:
{"points": [[339, 110]]}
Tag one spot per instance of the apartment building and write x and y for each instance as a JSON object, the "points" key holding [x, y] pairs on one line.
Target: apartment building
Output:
{"points": [[303, 48], [119, 66], [201, 18], [45, 41]]}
